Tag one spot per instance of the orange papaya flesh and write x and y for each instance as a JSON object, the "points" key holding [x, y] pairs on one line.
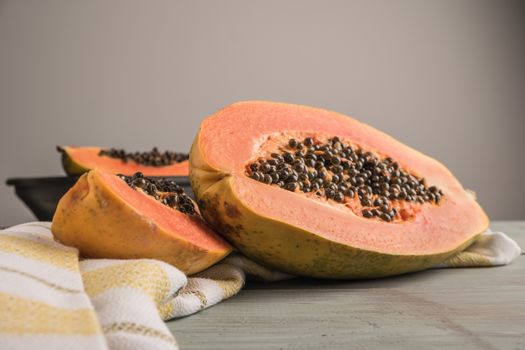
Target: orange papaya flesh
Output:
{"points": [[105, 218], [78, 160], [305, 234]]}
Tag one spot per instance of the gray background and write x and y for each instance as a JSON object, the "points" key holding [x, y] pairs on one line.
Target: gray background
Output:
{"points": [[445, 77]]}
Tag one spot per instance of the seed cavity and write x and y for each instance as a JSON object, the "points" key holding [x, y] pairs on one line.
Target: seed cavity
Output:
{"points": [[343, 172], [165, 191], [152, 158]]}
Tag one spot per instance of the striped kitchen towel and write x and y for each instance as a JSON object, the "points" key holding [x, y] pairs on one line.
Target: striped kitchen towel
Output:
{"points": [[51, 300]]}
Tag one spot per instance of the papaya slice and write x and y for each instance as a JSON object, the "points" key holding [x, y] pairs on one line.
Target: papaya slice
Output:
{"points": [[367, 206], [78, 160], [105, 216]]}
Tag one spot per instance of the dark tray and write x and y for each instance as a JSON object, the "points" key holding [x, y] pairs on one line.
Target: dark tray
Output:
{"points": [[41, 194]]}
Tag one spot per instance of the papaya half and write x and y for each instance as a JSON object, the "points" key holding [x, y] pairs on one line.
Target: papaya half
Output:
{"points": [[108, 216], [316, 193], [78, 160]]}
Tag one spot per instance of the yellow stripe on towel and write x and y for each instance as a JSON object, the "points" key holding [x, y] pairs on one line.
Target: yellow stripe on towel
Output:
{"points": [[467, 259], [41, 251], [139, 330], [229, 278], [145, 275], [24, 316]]}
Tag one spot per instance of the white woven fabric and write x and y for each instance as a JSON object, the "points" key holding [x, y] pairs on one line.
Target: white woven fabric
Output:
{"points": [[491, 249], [51, 300], [42, 299]]}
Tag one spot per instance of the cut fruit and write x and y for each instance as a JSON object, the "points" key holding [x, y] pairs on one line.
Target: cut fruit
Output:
{"points": [[105, 217], [78, 160], [382, 208]]}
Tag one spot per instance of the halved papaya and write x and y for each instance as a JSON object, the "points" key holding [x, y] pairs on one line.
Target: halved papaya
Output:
{"points": [[109, 216], [316, 193], [78, 160]]}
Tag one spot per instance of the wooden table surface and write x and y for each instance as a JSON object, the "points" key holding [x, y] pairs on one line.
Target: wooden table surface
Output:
{"points": [[467, 308]]}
